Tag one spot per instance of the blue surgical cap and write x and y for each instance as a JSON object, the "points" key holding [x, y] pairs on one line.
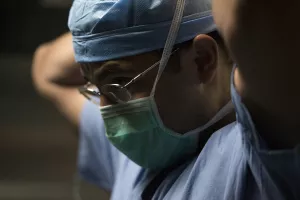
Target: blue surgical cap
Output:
{"points": [[110, 29]]}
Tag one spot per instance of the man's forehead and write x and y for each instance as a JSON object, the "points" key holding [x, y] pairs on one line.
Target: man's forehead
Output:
{"points": [[261, 9], [262, 19], [131, 63], [259, 31], [255, 17], [126, 62], [88, 69], [252, 10]]}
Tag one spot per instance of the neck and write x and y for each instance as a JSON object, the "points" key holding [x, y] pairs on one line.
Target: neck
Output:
{"points": [[219, 97], [206, 134], [276, 121]]}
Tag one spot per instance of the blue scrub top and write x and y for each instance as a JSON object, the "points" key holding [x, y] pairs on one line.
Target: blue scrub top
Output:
{"points": [[234, 164]]}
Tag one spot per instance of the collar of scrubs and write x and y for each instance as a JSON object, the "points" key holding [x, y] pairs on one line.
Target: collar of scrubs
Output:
{"points": [[275, 171], [243, 117]]}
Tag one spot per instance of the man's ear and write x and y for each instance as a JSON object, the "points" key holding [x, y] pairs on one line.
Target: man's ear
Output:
{"points": [[206, 57]]}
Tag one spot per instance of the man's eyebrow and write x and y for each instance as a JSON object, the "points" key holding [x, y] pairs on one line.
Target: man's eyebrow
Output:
{"points": [[111, 68], [114, 66]]}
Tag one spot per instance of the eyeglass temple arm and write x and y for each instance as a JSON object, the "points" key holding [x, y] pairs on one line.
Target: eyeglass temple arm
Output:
{"points": [[145, 72], [140, 75]]}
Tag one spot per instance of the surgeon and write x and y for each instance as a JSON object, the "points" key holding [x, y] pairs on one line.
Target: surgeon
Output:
{"points": [[160, 102]]}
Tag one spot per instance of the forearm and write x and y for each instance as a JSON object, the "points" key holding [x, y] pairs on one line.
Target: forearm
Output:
{"points": [[54, 63], [56, 76]]}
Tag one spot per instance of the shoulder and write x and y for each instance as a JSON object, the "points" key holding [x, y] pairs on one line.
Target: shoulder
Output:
{"points": [[91, 121], [98, 160], [214, 173]]}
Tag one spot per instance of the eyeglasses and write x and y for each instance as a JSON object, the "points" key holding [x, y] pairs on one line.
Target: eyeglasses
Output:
{"points": [[116, 93]]}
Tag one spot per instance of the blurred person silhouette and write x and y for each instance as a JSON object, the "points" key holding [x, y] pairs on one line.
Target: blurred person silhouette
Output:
{"points": [[264, 87]]}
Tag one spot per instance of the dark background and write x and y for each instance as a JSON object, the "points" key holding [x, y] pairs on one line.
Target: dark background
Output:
{"points": [[38, 146]]}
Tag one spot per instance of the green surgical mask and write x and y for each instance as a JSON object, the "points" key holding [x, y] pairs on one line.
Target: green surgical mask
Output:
{"points": [[135, 128]]}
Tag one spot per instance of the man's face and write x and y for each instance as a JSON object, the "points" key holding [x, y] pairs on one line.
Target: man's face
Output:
{"points": [[178, 97]]}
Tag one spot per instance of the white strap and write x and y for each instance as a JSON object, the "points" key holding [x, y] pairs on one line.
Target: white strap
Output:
{"points": [[171, 39], [227, 109]]}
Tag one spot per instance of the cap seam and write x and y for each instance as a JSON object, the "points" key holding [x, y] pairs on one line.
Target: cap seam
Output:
{"points": [[150, 27]]}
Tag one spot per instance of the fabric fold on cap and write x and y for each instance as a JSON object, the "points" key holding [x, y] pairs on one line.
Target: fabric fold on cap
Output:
{"points": [[104, 30]]}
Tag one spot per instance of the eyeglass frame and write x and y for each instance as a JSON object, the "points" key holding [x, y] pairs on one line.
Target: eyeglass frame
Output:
{"points": [[86, 91]]}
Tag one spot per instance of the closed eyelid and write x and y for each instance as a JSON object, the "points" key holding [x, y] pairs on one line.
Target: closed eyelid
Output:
{"points": [[112, 70]]}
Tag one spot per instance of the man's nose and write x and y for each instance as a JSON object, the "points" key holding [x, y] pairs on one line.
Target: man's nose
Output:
{"points": [[104, 101]]}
